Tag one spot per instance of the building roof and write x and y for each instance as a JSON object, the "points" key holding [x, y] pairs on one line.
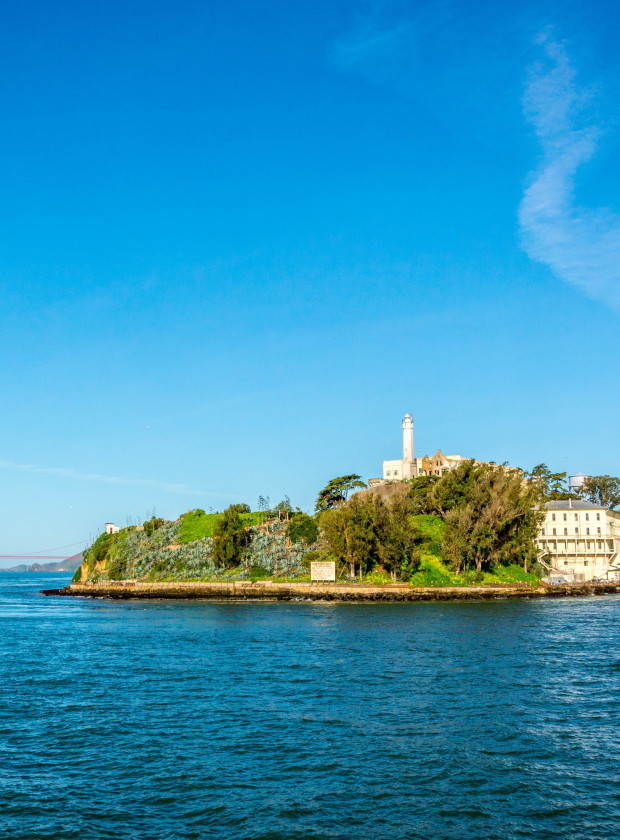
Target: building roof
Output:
{"points": [[572, 504]]}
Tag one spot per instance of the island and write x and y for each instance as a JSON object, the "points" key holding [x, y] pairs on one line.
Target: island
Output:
{"points": [[468, 533]]}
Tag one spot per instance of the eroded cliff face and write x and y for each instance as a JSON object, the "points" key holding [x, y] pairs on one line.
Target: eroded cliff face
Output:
{"points": [[97, 570]]}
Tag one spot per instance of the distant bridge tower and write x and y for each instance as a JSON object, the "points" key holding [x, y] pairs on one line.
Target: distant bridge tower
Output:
{"points": [[408, 439]]}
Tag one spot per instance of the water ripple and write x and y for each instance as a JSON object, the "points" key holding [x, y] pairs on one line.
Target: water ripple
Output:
{"points": [[269, 721]]}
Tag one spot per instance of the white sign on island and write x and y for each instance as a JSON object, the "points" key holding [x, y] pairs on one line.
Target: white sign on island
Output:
{"points": [[323, 570]]}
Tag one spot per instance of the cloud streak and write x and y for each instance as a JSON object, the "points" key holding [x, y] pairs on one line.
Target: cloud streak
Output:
{"points": [[581, 246], [64, 472]]}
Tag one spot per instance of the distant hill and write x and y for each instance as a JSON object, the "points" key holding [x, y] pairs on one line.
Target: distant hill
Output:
{"points": [[68, 565]]}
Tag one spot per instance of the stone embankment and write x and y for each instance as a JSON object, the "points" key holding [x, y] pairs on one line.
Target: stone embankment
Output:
{"points": [[277, 591]]}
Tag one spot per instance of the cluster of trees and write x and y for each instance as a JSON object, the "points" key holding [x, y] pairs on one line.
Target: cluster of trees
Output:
{"points": [[231, 536], [601, 490], [491, 515], [488, 515], [366, 533], [282, 511]]}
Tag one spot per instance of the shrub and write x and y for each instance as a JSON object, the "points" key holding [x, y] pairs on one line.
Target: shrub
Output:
{"points": [[116, 568], [302, 527], [257, 573], [240, 508], [310, 557], [151, 525]]}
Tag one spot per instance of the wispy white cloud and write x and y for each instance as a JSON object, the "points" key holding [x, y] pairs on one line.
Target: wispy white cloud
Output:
{"points": [[65, 472], [580, 245]]}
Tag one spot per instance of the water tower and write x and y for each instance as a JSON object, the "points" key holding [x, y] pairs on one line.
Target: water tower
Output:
{"points": [[576, 482]]}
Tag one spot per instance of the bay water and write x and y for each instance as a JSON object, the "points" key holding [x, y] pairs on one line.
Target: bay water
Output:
{"points": [[166, 719]]}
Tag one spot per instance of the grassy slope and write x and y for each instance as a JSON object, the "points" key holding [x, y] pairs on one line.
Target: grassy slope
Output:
{"points": [[434, 572], [195, 526]]}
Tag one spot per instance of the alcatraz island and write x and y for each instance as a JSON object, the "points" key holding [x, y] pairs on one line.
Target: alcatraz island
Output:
{"points": [[432, 528]]}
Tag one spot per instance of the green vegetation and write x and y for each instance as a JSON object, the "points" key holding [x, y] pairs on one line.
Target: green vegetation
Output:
{"points": [[337, 492], [472, 525], [552, 486], [302, 527], [257, 573], [230, 539], [602, 490], [201, 546], [197, 525], [468, 522], [366, 534], [98, 551], [152, 525]]}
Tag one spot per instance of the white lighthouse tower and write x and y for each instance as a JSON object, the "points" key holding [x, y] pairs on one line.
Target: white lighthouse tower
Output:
{"points": [[408, 439], [405, 468]]}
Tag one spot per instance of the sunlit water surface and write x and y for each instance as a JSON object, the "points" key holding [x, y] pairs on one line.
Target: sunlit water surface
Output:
{"points": [[305, 720]]}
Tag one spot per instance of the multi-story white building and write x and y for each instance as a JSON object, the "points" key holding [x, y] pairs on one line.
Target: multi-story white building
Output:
{"points": [[580, 540]]}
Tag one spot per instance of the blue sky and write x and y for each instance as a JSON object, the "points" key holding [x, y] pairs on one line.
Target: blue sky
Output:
{"points": [[239, 241]]}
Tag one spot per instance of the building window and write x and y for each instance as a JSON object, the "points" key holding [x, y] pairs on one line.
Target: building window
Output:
{"points": [[565, 531], [544, 531], [589, 545], [588, 531], [576, 530], [565, 517], [554, 532], [587, 517], [600, 544], [585, 562], [576, 516], [553, 516], [598, 517], [598, 530]]}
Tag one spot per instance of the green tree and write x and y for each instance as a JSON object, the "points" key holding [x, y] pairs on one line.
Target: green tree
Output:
{"points": [[552, 486], [151, 525], [602, 490], [302, 527], [351, 535], [336, 493], [398, 539], [495, 520], [230, 539]]}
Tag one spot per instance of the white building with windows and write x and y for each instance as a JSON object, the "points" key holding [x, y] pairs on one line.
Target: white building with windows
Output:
{"points": [[580, 540]]}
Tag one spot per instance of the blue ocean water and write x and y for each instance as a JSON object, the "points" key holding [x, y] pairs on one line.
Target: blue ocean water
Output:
{"points": [[305, 720]]}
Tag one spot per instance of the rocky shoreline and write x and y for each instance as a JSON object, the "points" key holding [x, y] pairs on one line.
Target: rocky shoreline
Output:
{"points": [[346, 592]]}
